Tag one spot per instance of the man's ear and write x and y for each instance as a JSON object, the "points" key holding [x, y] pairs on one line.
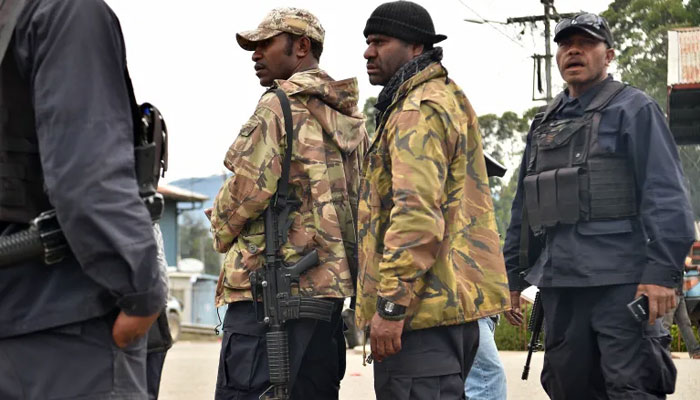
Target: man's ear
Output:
{"points": [[302, 47], [609, 56], [417, 49]]}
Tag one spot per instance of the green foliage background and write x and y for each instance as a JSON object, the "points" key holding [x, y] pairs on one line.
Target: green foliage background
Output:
{"points": [[640, 28], [514, 338]]}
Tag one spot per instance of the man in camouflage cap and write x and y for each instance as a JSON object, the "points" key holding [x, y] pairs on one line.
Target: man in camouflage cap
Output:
{"points": [[430, 259], [329, 142], [295, 21]]}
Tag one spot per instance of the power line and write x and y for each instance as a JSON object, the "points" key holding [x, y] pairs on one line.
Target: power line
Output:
{"points": [[550, 14], [491, 24]]}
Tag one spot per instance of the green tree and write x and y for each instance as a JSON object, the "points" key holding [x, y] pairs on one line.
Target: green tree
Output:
{"points": [[504, 139], [196, 242], [640, 29]]}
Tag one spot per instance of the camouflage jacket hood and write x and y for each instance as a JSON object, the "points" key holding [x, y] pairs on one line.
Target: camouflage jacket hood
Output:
{"points": [[328, 146], [332, 103], [427, 229]]}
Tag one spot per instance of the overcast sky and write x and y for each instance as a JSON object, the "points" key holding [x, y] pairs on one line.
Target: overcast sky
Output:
{"points": [[183, 58]]}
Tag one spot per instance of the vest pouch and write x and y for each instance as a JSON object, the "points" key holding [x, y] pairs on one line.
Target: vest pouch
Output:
{"points": [[530, 187], [22, 195], [554, 143], [547, 188], [611, 188], [568, 199], [552, 197]]}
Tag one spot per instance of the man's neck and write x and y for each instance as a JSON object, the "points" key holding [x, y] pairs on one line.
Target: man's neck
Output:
{"points": [[576, 90], [305, 65]]}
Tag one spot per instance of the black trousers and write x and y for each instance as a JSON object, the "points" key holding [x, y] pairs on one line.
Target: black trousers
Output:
{"points": [[316, 353], [154, 372], [76, 361], [595, 349], [433, 364]]}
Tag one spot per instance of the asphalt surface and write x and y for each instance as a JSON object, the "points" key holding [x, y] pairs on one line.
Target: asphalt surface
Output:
{"points": [[190, 374]]}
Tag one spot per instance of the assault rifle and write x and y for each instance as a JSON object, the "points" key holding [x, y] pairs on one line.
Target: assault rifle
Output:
{"points": [[276, 282], [534, 326]]}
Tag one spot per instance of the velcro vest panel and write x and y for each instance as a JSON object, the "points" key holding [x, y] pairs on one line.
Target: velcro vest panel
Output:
{"points": [[569, 177], [22, 195]]}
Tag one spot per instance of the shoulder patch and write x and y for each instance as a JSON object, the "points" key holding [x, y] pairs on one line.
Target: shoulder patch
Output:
{"points": [[249, 126]]}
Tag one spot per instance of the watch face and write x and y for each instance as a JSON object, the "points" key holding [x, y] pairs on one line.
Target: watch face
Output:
{"points": [[388, 307]]}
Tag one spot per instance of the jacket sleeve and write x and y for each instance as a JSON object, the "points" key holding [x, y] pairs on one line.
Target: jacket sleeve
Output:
{"points": [[664, 206], [511, 246], [254, 158], [513, 240], [73, 54], [419, 163]]}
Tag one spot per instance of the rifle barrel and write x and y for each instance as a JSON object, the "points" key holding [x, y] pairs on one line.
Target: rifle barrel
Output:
{"points": [[19, 247], [535, 326]]}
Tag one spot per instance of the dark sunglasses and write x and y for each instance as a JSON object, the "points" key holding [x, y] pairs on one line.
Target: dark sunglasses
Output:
{"points": [[581, 19]]}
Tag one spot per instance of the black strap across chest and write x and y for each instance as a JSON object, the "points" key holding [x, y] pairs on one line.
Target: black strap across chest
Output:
{"points": [[283, 186]]}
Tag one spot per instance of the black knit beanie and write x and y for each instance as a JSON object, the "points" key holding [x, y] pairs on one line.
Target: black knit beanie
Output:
{"points": [[403, 20]]}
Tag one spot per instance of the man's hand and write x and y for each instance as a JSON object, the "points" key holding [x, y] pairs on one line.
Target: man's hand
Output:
{"points": [[385, 337], [128, 328], [515, 315], [661, 300]]}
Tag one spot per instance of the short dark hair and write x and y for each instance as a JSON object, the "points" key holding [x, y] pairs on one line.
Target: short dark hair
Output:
{"points": [[316, 46]]}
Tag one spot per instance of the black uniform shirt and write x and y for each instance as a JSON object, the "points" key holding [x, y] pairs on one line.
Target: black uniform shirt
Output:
{"points": [[72, 54], [649, 248]]}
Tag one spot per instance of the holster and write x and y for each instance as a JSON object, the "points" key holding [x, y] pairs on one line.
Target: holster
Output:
{"points": [[159, 338]]}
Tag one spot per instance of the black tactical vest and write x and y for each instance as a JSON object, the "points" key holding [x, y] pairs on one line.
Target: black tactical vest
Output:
{"points": [[22, 195], [570, 178]]}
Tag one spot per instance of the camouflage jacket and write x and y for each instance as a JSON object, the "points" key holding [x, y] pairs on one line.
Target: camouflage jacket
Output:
{"points": [[330, 139], [428, 236]]}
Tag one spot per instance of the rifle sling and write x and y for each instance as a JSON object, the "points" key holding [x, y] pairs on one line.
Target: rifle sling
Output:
{"points": [[308, 308], [283, 185]]}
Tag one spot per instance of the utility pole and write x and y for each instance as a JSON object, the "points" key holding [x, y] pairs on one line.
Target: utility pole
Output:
{"points": [[548, 16]]}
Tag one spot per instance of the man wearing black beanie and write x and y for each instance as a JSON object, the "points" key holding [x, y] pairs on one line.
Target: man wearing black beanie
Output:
{"points": [[430, 262]]}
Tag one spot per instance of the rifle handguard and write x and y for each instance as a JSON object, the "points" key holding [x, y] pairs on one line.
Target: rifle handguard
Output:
{"points": [[278, 356]]}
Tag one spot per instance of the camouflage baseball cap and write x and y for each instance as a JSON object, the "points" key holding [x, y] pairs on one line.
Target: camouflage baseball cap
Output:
{"points": [[286, 19]]}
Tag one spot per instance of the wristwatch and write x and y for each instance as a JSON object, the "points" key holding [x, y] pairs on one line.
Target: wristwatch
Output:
{"points": [[390, 310]]}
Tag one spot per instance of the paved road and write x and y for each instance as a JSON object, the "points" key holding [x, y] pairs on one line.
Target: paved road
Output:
{"points": [[190, 374]]}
